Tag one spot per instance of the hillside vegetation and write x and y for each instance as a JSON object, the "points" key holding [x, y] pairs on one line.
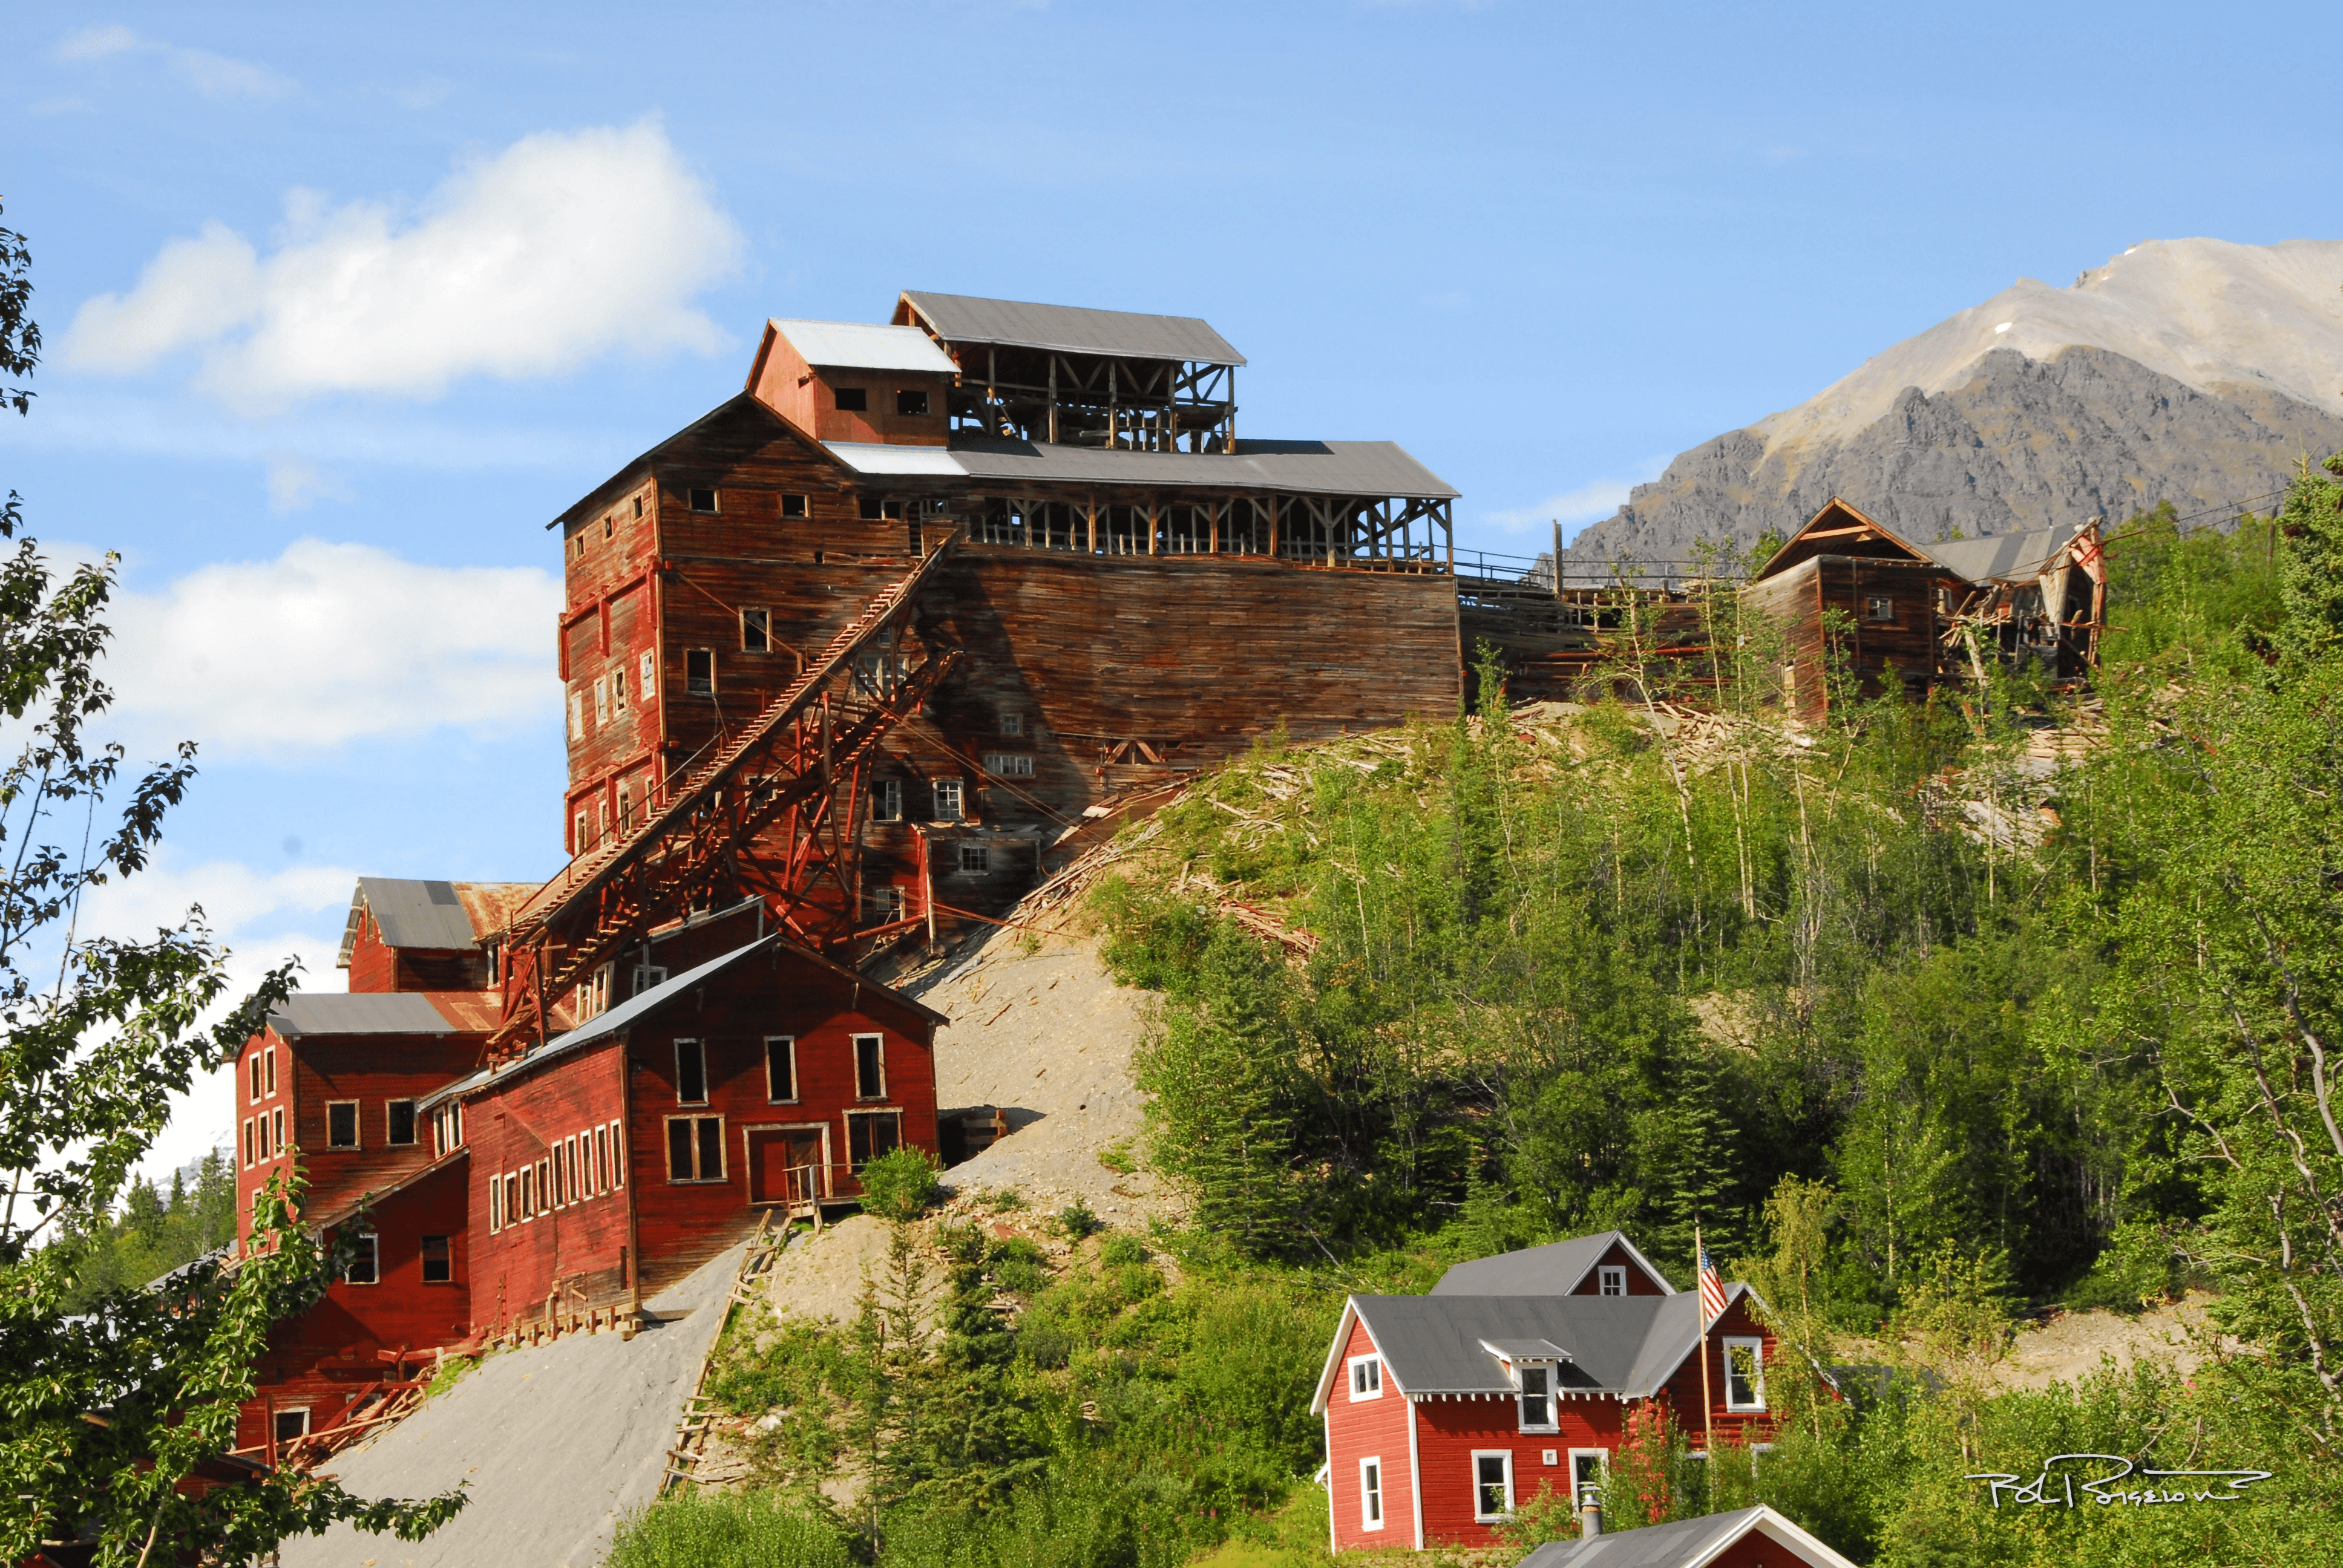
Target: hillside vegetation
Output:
{"points": [[1938, 1014]]}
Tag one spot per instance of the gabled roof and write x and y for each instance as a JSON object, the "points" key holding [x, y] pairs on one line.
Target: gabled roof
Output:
{"points": [[434, 916], [1685, 1544], [1557, 1269], [860, 345], [360, 1012], [1071, 329], [421, 1172], [740, 408], [1840, 529], [2006, 557]]}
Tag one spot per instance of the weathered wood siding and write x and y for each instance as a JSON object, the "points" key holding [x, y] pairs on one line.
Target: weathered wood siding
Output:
{"points": [[561, 1257]]}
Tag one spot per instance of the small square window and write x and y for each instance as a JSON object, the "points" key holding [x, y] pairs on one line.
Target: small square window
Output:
{"points": [[290, 1425], [891, 509], [852, 399], [756, 631], [1012, 723], [699, 672], [438, 1260], [704, 501], [869, 508], [886, 801], [647, 976], [366, 1263], [1879, 607], [793, 505], [1614, 1278], [402, 1122], [870, 1066], [950, 800], [912, 401], [341, 1124], [976, 859]]}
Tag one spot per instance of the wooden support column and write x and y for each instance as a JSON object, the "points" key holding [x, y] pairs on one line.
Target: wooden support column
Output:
{"points": [[1110, 442], [1270, 503], [1229, 442], [1216, 507], [1557, 556], [1053, 410], [1090, 510], [1151, 523]]}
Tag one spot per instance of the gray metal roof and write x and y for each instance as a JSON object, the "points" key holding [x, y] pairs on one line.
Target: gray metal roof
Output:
{"points": [[859, 345], [418, 914], [602, 1026], [2001, 557], [1685, 1544], [1557, 1269], [1526, 1349], [1072, 329], [1432, 1344], [1376, 468], [360, 1012]]}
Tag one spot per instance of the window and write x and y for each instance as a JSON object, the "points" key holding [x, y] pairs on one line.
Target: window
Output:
{"points": [[1009, 765], [695, 1148], [557, 1191], [543, 1200], [870, 508], [610, 525], [577, 713], [1944, 601], [366, 1261], [975, 858], [528, 1192], [277, 1129], [1012, 724], [268, 1060], [511, 1185], [1879, 607], [601, 1160], [579, 841], [341, 1124], [756, 631], [699, 672], [852, 399], [438, 1260], [870, 1066], [578, 544], [402, 1122], [950, 797], [249, 1142], [886, 905], [886, 801], [1537, 1399], [1370, 1493], [617, 1156], [496, 1204], [618, 690], [780, 1069], [1744, 1373], [911, 400], [1366, 1377], [638, 505], [256, 1078], [703, 500], [1586, 1476], [291, 1425], [690, 1072], [263, 1140], [645, 671], [647, 976], [1492, 1487], [578, 1172], [626, 806], [1614, 1278], [870, 1133], [793, 505]]}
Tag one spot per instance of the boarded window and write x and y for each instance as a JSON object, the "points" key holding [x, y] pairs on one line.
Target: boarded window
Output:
{"points": [[695, 1148], [690, 1072], [870, 1066], [402, 1122], [780, 1069], [341, 1124], [886, 801], [870, 1133], [366, 1260], [949, 800], [793, 505], [852, 399], [699, 672], [704, 501], [975, 860], [912, 401], [756, 631], [438, 1260]]}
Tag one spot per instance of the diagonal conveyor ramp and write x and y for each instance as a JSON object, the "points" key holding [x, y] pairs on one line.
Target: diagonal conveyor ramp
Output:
{"points": [[555, 1442]]}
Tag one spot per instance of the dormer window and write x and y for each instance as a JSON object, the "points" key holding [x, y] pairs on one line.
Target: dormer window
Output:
{"points": [[1614, 1278], [1536, 1398]]}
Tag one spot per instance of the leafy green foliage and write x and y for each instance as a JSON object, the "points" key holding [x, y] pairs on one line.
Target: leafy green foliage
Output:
{"points": [[705, 1530]]}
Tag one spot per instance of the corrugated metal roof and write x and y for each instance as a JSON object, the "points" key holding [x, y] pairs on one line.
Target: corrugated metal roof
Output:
{"points": [[1999, 558], [859, 345], [1681, 1544], [1376, 468], [1072, 329], [417, 914], [872, 457], [1432, 1344], [1557, 1269], [360, 1012]]}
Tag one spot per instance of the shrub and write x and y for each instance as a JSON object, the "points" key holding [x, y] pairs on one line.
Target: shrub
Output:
{"points": [[1077, 1219], [900, 1185], [748, 1529]]}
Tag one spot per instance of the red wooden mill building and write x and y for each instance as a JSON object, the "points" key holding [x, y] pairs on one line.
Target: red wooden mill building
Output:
{"points": [[847, 663]]}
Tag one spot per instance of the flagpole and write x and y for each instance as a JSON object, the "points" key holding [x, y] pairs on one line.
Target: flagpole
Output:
{"points": [[1707, 1405]]}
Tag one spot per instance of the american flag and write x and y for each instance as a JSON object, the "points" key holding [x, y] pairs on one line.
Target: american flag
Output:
{"points": [[1712, 1291]]}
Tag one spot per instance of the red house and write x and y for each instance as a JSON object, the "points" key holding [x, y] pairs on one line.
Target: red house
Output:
{"points": [[1746, 1538], [622, 1154], [1515, 1376]]}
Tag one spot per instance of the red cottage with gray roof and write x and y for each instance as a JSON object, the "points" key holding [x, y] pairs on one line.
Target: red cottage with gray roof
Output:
{"points": [[1515, 1376], [1746, 1538]]}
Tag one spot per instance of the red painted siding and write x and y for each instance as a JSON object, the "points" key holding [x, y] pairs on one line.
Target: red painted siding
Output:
{"points": [[566, 1257], [1758, 1550], [1356, 1428], [1682, 1390], [1640, 1281], [1449, 1431]]}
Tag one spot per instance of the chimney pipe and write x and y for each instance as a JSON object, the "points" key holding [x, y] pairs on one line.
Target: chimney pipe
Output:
{"points": [[1590, 1516]]}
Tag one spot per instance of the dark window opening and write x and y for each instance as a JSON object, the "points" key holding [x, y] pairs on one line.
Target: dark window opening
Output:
{"points": [[703, 500], [793, 505], [892, 509], [886, 801], [690, 1072], [870, 1133], [1536, 1400], [610, 526], [402, 1122], [292, 1424], [638, 505], [438, 1260], [679, 1149], [342, 1124], [781, 1069], [976, 859], [853, 399], [711, 1149], [756, 631], [1879, 607], [869, 1068], [869, 508], [699, 672], [365, 1263], [910, 400]]}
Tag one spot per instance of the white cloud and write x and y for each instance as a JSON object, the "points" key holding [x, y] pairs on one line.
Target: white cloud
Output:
{"points": [[329, 643], [215, 78], [560, 248], [292, 484], [1595, 500]]}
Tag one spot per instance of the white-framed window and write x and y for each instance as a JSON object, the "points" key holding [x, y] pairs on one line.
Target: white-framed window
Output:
{"points": [[601, 701], [365, 1263], [577, 713], [1613, 1278], [952, 799], [249, 1142], [579, 842], [1011, 722], [496, 1204], [695, 1148], [870, 1066], [1586, 1473], [617, 1156], [276, 1127], [886, 801], [782, 1069], [268, 1060], [618, 689], [646, 676], [1370, 1492], [398, 1116], [1009, 764], [290, 1423], [756, 631], [1745, 1372], [647, 976], [1493, 1485], [690, 1072], [1366, 1377], [974, 859], [1536, 1398], [256, 1078]]}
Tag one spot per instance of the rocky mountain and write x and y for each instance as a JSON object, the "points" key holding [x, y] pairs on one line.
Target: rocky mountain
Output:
{"points": [[2192, 370]]}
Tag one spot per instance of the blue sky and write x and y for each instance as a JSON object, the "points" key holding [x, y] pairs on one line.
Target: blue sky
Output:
{"points": [[344, 303]]}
